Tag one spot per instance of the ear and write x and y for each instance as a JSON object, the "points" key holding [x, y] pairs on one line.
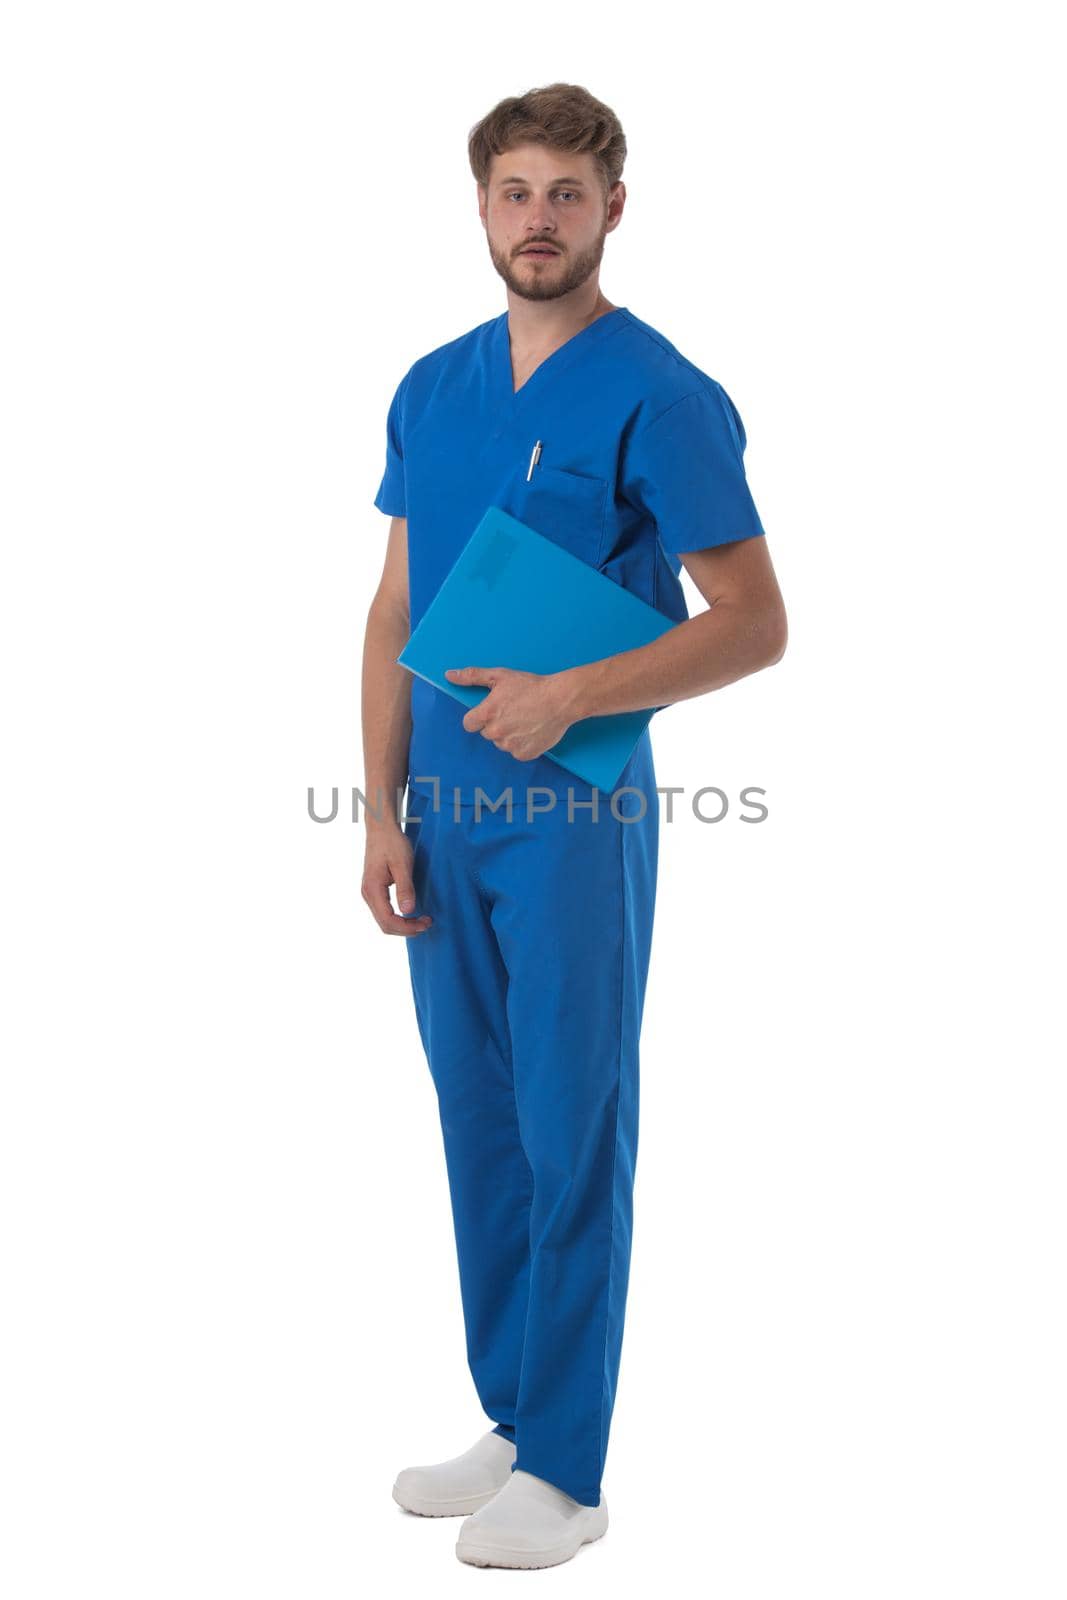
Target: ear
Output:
{"points": [[616, 203]]}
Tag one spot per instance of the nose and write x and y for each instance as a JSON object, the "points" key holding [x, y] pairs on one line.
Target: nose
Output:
{"points": [[539, 219]]}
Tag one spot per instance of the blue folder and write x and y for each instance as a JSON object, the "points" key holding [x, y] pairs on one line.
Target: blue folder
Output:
{"points": [[516, 599]]}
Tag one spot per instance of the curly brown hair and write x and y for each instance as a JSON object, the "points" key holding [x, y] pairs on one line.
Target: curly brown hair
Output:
{"points": [[563, 115]]}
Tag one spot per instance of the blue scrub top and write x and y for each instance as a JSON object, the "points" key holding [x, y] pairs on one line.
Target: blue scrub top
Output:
{"points": [[641, 458]]}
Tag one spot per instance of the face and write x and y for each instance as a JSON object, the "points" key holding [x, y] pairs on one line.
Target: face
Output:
{"points": [[546, 219]]}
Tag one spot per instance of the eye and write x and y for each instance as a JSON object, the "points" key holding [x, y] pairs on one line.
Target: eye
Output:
{"points": [[569, 194]]}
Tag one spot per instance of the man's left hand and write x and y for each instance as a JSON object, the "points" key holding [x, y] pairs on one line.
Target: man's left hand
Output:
{"points": [[524, 713]]}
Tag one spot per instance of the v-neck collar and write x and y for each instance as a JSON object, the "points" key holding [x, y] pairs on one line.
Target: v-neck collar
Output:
{"points": [[608, 322]]}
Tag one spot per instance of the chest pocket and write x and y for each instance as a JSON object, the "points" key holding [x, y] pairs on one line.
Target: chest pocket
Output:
{"points": [[566, 507]]}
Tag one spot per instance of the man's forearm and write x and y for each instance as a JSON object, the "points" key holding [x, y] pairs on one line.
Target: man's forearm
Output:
{"points": [[722, 644], [386, 706]]}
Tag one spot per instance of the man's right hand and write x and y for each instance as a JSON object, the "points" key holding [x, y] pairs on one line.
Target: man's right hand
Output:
{"points": [[388, 859]]}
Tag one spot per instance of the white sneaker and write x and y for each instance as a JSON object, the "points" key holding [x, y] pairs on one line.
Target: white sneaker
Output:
{"points": [[530, 1523], [462, 1484]]}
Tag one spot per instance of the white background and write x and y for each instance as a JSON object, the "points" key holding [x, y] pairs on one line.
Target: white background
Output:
{"points": [[232, 1303]]}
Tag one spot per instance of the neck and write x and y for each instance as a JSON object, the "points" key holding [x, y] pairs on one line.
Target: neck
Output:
{"points": [[534, 324]]}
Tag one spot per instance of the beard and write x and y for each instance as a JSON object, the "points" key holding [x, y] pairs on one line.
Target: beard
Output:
{"points": [[557, 276]]}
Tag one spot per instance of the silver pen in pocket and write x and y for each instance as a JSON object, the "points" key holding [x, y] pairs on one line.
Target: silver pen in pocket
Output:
{"points": [[535, 457]]}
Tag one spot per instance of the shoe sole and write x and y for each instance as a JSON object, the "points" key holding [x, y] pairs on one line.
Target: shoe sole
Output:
{"points": [[489, 1555], [445, 1508]]}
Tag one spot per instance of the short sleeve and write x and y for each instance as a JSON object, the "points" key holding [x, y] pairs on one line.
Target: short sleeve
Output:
{"points": [[391, 497], [685, 467]]}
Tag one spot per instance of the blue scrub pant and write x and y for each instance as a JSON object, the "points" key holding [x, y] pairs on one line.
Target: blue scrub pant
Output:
{"points": [[529, 989]]}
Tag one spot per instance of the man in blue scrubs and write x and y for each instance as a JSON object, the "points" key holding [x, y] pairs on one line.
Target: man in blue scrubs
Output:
{"points": [[529, 924]]}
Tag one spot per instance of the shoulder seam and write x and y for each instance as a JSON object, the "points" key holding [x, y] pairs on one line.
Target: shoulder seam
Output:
{"points": [[661, 414], [440, 349], [664, 344]]}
